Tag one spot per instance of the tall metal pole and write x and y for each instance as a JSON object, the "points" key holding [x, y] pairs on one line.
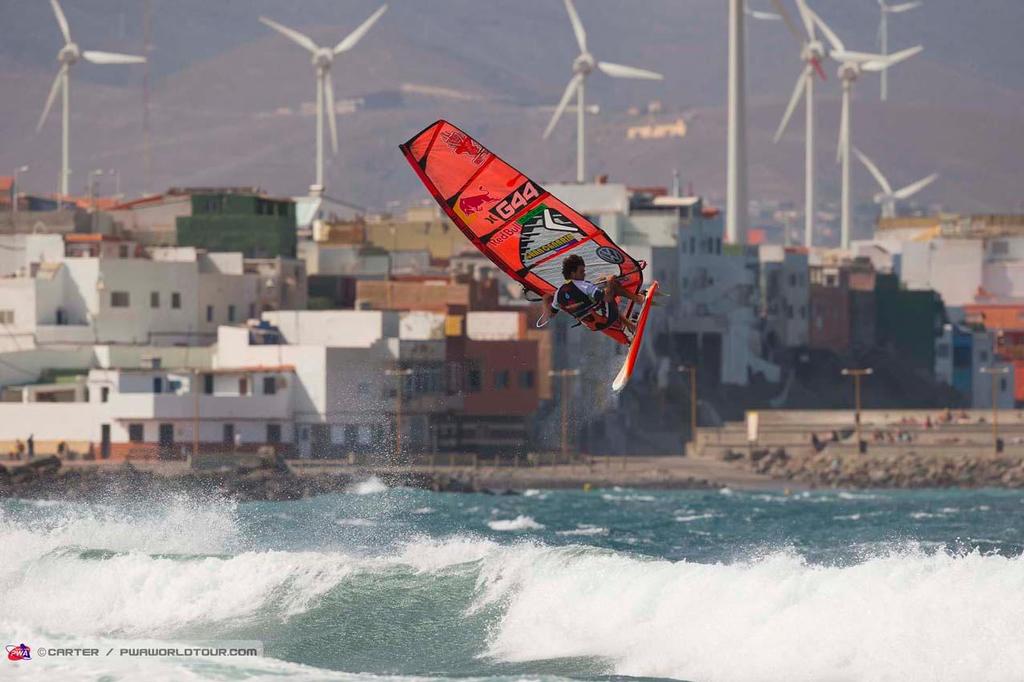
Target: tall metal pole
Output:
{"points": [[809, 203], [885, 51], [65, 168], [564, 375], [581, 171], [992, 372], [736, 180], [857, 374], [400, 375], [147, 147], [320, 128], [845, 199]]}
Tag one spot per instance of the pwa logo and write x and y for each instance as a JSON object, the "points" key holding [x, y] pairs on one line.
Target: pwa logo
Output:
{"points": [[19, 652]]}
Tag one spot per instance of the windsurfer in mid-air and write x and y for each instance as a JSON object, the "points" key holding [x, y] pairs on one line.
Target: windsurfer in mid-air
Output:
{"points": [[581, 298]]}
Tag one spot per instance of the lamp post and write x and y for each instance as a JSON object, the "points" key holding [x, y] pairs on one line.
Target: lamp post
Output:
{"points": [[992, 371], [14, 192], [401, 374], [565, 375], [857, 374], [692, 371]]}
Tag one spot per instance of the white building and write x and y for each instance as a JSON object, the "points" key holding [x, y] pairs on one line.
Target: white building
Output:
{"points": [[784, 289], [178, 295]]}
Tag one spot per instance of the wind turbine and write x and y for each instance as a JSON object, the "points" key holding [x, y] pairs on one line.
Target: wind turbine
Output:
{"points": [[883, 33], [887, 198], [812, 53], [851, 65], [582, 67], [67, 57], [323, 57]]}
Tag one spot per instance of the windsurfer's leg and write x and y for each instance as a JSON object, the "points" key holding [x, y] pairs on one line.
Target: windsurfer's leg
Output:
{"points": [[616, 289]]}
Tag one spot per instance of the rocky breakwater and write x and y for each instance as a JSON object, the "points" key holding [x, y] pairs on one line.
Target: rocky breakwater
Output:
{"points": [[269, 479], [913, 469]]}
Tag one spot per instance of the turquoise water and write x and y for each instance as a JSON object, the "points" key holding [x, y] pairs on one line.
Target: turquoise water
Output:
{"points": [[377, 582]]}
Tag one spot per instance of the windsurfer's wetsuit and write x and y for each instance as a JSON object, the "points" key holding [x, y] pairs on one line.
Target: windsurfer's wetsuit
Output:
{"points": [[583, 300]]}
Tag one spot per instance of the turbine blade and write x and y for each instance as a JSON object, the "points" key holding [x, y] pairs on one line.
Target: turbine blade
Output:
{"points": [[290, 33], [788, 20], [329, 98], [621, 71], [577, 25], [808, 17], [62, 20], [897, 57], [833, 39], [111, 58], [570, 90], [759, 15], [870, 165], [52, 96], [355, 36], [798, 92], [905, 7], [916, 187]]}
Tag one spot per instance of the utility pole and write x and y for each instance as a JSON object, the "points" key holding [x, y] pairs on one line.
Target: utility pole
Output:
{"points": [[857, 374], [401, 374], [992, 371], [565, 375], [692, 371]]}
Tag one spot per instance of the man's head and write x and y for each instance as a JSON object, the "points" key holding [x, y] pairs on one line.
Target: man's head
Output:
{"points": [[573, 267]]}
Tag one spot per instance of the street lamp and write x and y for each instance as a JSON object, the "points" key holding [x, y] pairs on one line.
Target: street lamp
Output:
{"points": [[14, 191], [992, 372], [692, 371], [857, 374], [565, 375], [401, 374]]}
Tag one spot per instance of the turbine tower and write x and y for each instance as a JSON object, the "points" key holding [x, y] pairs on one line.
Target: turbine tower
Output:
{"points": [[812, 53], [883, 33], [736, 206], [851, 65], [322, 59], [67, 57], [887, 198], [582, 67]]}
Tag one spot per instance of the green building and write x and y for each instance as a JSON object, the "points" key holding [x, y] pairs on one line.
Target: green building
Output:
{"points": [[239, 220], [908, 321]]}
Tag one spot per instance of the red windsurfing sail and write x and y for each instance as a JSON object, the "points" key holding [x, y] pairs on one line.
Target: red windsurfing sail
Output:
{"points": [[522, 228]]}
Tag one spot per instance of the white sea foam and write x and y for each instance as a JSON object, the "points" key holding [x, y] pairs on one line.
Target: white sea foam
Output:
{"points": [[906, 616], [370, 486], [584, 529], [362, 523], [687, 518], [520, 522], [423, 510]]}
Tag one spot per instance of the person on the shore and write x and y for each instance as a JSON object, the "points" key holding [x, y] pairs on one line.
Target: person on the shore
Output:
{"points": [[582, 298], [31, 445], [19, 448]]}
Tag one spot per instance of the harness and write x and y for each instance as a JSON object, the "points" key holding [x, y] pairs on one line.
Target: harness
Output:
{"points": [[600, 313]]}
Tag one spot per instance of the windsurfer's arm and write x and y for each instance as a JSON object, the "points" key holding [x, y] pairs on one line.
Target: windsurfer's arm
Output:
{"points": [[549, 309]]}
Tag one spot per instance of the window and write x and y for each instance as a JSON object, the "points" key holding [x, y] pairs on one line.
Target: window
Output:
{"points": [[6, 317], [209, 313], [208, 384], [175, 300], [154, 299], [243, 386], [135, 434], [231, 313], [942, 350], [158, 385], [273, 433], [526, 379], [229, 434], [122, 250], [718, 245], [501, 379], [104, 394], [983, 356], [351, 434], [252, 311], [473, 382], [119, 299], [1002, 384], [269, 385]]}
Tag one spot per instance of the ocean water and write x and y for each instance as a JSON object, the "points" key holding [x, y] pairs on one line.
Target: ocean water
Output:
{"points": [[385, 583]]}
